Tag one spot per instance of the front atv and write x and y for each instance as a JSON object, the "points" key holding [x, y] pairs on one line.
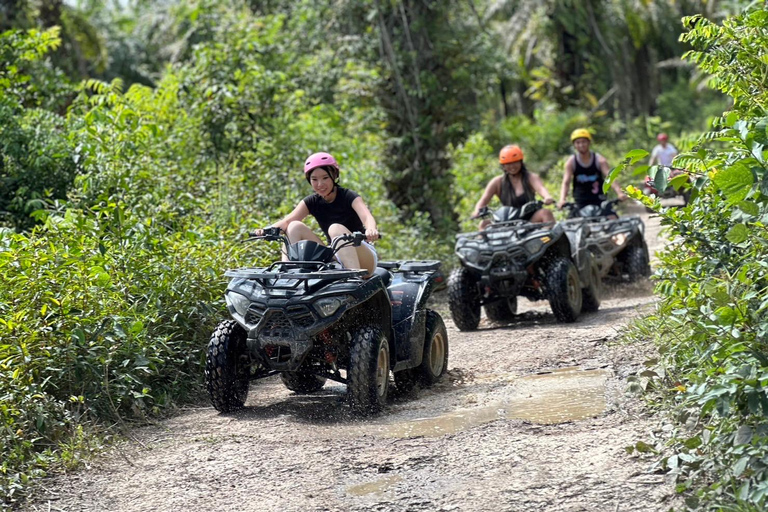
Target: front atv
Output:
{"points": [[514, 258], [309, 320]]}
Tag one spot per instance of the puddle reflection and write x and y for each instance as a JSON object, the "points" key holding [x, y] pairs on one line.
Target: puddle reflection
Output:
{"points": [[567, 394], [377, 487]]}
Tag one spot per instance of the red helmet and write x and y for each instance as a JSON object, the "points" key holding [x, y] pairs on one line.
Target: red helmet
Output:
{"points": [[321, 159], [662, 137]]}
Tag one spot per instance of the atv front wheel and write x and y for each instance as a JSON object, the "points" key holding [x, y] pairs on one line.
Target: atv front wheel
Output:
{"points": [[636, 263], [227, 367], [302, 382], [464, 299], [502, 311], [591, 295], [368, 372], [564, 290]]}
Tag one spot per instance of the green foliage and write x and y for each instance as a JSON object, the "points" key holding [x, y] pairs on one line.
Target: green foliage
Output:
{"points": [[711, 324], [35, 162]]}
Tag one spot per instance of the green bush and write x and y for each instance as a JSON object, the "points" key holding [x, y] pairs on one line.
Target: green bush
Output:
{"points": [[711, 324]]}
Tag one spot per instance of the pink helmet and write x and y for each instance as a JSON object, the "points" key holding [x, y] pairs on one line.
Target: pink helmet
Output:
{"points": [[321, 159], [662, 137]]}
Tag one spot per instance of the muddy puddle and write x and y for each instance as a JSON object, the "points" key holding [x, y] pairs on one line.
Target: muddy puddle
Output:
{"points": [[377, 487], [568, 394]]}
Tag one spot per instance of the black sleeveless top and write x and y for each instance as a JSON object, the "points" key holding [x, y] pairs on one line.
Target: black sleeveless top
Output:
{"points": [[508, 196], [587, 182], [339, 211]]}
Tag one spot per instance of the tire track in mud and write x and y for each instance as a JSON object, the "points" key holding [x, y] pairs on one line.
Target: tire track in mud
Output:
{"points": [[490, 435]]}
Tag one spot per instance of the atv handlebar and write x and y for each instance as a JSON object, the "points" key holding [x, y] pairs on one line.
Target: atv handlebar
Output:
{"points": [[607, 203], [487, 212], [274, 234]]}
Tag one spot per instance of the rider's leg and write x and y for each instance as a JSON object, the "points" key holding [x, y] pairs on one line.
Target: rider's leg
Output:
{"points": [[483, 224], [298, 231], [367, 257], [543, 215], [347, 255]]}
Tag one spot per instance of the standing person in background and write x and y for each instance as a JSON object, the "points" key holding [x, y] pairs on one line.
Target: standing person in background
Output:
{"points": [[587, 171], [664, 152], [515, 187]]}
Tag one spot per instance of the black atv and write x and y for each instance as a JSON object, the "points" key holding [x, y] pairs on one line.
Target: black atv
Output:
{"points": [[309, 320], [513, 257], [617, 245]]}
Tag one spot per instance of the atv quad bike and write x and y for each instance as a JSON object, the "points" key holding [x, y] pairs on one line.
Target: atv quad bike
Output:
{"points": [[617, 245], [309, 320], [513, 257]]}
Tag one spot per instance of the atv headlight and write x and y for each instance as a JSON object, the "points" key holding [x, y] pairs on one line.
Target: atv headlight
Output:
{"points": [[619, 238], [471, 255], [237, 301], [328, 305], [533, 246]]}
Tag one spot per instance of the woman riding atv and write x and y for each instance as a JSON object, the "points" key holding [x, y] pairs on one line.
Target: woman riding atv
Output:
{"points": [[515, 187], [338, 210]]}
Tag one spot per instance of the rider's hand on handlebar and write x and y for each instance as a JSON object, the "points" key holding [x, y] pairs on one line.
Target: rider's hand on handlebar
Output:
{"points": [[549, 200], [256, 232], [622, 196], [371, 235], [560, 204]]}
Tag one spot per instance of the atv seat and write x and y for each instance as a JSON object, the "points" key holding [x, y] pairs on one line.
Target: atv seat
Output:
{"points": [[384, 274]]}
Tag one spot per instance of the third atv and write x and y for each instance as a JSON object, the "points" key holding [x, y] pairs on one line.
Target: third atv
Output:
{"points": [[514, 257], [617, 245]]}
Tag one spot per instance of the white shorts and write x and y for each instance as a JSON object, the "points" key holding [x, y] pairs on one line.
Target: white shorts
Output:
{"points": [[370, 248]]}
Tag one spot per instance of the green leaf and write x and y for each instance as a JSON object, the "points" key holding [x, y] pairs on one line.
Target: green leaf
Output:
{"points": [[735, 181], [661, 180], [743, 435], [737, 234], [635, 155], [749, 207]]}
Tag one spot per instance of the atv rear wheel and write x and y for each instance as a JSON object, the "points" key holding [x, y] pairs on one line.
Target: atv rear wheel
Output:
{"points": [[591, 295], [435, 360], [503, 310], [368, 372], [564, 289], [302, 382], [227, 367], [464, 299], [636, 264]]}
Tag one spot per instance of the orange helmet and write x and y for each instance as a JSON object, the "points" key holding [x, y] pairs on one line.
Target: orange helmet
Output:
{"points": [[509, 154]]}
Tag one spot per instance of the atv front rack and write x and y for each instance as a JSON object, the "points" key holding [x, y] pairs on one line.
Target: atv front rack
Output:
{"points": [[410, 265], [266, 273], [518, 226]]}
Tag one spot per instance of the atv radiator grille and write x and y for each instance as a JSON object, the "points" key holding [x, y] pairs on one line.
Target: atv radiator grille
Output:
{"points": [[301, 315], [277, 325]]}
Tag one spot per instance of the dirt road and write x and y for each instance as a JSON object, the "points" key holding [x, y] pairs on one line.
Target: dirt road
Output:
{"points": [[532, 416]]}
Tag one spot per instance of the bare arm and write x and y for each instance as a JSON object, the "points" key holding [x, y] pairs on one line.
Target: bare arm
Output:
{"points": [[299, 213], [606, 170], [493, 188], [371, 232], [567, 178], [539, 188]]}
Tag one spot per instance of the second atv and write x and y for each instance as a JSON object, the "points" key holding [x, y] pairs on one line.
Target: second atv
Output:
{"points": [[512, 258]]}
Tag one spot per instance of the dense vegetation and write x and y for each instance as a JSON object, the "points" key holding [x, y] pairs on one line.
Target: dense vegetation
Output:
{"points": [[712, 326], [138, 144]]}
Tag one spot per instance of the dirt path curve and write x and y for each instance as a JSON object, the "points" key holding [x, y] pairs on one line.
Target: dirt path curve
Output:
{"points": [[532, 416]]}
